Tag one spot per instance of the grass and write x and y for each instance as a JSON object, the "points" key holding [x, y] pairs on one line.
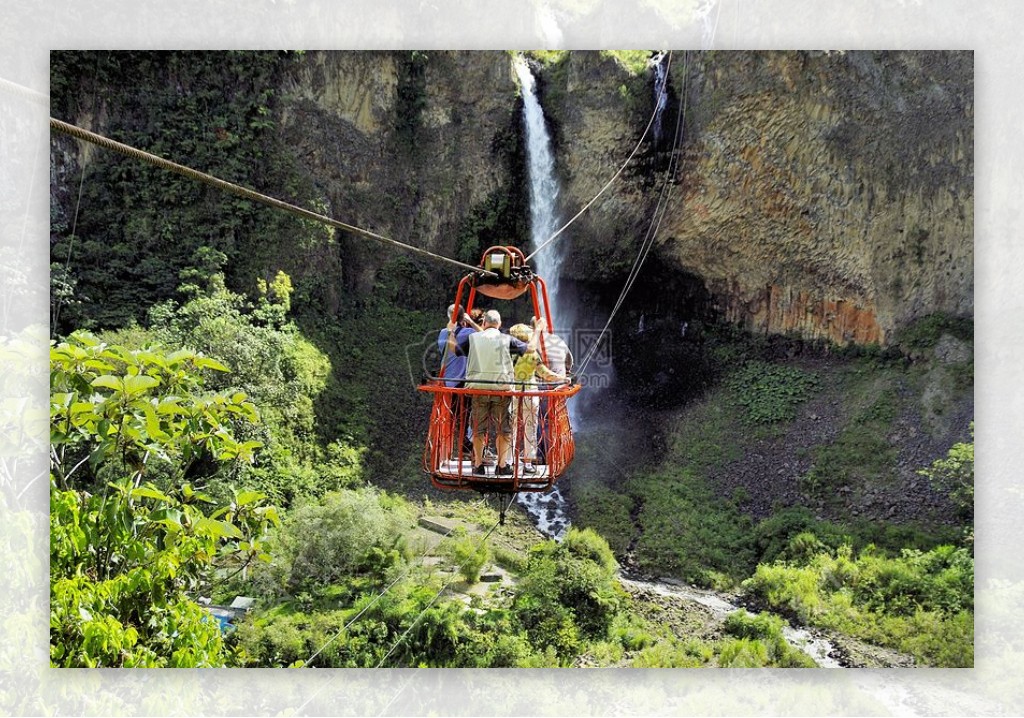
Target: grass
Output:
{"points": [[605, 510], [920, 603], [687, 533], [706, 437]]}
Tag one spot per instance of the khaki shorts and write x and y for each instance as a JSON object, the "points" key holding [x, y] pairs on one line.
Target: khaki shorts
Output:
{"points": [[493, 411]]}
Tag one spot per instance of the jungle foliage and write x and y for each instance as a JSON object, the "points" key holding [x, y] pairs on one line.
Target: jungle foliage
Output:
{"points": [[128, 557], [120, 247]]}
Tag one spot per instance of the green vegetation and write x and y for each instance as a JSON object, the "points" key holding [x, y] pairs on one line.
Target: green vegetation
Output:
{"points": [[139, 226], [686, 533], [926, 332], [770, 393], [126, 557], [567, 601], [469, 555], [411, 98], [285, 478], [954, 475], [758, 642], [861, 454], [548, 57], [569, 592], [354, 537], [281, 370], [635, 61], [490, 223], [919, 602]]}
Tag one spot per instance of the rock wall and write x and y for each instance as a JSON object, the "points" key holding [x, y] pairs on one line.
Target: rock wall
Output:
{"points": [[826, 194], [406, 144]]}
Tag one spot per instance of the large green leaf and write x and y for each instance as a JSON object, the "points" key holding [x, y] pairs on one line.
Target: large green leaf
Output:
{"points": [[208, 363], [216, 529], [150, 492], [138, 383], [108, 381], [246, 497]]}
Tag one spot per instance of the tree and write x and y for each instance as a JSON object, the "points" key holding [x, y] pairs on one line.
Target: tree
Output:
{"points": [[569, 592], [955, 476], [126, 555]]}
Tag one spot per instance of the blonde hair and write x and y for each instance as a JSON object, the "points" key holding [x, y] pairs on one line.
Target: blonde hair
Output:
{"points": [[521, 332]]}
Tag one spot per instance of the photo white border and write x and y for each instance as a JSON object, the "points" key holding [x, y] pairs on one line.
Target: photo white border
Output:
{"points": [[31, 29]]}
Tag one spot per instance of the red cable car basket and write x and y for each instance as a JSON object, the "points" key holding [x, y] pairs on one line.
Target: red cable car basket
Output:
{"points": [[538, 410]]}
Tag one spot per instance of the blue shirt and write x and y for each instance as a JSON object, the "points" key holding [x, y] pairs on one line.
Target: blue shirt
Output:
{"points": [[454, 363]]}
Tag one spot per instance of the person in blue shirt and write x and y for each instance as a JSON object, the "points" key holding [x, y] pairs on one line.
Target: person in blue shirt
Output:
{"points": [[454, 363]]}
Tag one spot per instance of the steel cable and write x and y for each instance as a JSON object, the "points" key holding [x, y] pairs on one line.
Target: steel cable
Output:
{"points": [[244, 192]]}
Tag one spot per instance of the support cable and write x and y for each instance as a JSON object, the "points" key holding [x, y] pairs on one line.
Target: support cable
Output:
{"points": [[608, 184], [244, 192]]}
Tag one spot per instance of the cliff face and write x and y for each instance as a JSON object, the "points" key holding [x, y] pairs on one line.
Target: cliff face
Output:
{"points": [[830, 195], [409, 145]]}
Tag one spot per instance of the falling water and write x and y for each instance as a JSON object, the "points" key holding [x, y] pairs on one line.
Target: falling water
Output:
{"points": [[660, 96], [546, 510], [544, 220]]}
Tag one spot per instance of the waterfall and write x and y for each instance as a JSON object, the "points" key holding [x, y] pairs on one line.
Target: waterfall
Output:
{"points": [[544, 220], [660, 96], [546, 510]]}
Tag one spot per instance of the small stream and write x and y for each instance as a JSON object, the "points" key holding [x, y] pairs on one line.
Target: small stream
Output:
{"points": [[816, 647], [547, 513]]}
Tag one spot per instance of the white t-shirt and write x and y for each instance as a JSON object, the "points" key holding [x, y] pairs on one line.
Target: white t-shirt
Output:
{"points": [[557, 351]]}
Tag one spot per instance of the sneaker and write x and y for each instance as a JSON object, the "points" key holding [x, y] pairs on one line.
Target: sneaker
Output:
{"points": [[480, 470], [503, 471], [529, 469]]}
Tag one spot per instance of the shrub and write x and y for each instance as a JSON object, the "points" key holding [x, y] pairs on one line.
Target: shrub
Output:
{"points": [[674, 653], [345, 535], [743, 653], [126, 556], [766, 630], [919, 602], [954, 475], [631, 632], [569, 592], [468, 554], [742, 624]]}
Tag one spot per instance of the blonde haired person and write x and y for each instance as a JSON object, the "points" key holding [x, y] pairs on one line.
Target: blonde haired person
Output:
{"points": [[528, 369]]}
